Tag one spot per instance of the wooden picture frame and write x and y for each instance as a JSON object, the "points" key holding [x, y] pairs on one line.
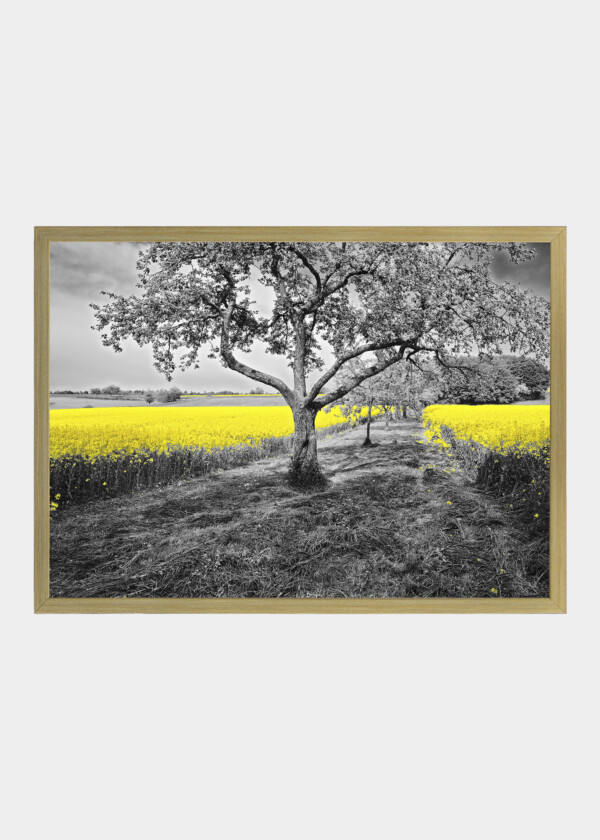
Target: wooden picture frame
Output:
{"points": [[555, 603]]}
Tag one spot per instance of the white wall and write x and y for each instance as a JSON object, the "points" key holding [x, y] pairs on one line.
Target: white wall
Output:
{"points": [[322, 113]]}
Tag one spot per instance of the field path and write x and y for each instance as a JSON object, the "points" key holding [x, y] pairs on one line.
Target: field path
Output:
{"points": [[385, 525]]}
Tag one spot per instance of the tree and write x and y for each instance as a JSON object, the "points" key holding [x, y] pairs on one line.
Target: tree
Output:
{"points": [[168, 396], [149, 397], [399, 299], [532, 375], [405, 385], [257, 391], [111, 389], [364, 395], [477, 382], [399, 387]]}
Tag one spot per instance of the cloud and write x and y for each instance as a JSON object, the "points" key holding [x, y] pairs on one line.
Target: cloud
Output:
{"points": [[84, 269], [533, 274]]}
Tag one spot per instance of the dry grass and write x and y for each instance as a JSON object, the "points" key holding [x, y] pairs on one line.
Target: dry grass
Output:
{"points": [[381, 527]]}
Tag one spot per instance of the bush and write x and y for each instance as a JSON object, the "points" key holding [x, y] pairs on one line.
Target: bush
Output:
{"points": [[111, 389], [168, 396]]}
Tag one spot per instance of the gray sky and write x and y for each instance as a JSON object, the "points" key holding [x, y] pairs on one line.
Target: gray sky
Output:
{"points": [[79, 271]]}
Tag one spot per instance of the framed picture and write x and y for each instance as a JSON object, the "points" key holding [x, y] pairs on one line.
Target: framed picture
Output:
{"points": [[300, 419]]}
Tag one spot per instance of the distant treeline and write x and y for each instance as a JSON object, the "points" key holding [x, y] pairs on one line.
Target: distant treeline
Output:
{"points": [[114, 391], [110, 391], [502, 379], [467, 380]]}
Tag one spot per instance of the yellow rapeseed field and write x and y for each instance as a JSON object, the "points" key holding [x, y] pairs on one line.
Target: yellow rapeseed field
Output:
{"points": [[497, 427], [94, 432]]}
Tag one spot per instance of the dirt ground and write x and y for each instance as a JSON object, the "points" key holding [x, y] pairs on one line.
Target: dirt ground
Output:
{"points": [[386, 525]]}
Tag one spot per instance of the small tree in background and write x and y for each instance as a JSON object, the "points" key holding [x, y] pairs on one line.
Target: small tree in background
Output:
{"points": [[362, 396], [149, 397], [168, 396], [400, 387], [111, 389], [373, 392], [408, 385]]}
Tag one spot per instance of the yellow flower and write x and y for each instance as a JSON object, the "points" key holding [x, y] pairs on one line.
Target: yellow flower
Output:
{"points": [[502, 571], [536, 515], [448, 503], [497, 427], [104, 431], [495, 591]]}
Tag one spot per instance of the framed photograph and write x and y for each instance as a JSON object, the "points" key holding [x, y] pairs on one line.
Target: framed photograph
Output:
{"points": [[300, 419]]}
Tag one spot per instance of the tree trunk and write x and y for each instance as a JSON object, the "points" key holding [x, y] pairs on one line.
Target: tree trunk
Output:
{"points": [[404, 412], [305, 470], [367, 440]]}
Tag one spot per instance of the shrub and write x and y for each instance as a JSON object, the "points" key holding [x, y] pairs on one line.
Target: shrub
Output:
{"points": [[168, 396]]}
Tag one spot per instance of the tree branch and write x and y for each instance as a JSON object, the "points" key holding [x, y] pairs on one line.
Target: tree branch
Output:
{"points": [[234, 364], [346, 357], [308, 265], [318, 299], [346, 387]]}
